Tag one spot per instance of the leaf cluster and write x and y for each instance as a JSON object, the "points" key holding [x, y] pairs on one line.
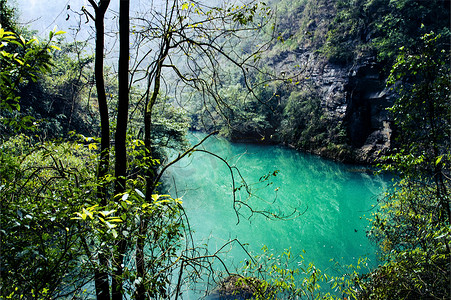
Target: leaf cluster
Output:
{"points": [[270, 276], [381, 27], [412, 223], [41, 86], [41, 187], [305, 125]]}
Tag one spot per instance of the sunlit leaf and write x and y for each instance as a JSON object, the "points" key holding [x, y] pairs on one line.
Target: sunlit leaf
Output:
{"points": [[139, 193], [106, 213], [115, 219], [109, 225]]}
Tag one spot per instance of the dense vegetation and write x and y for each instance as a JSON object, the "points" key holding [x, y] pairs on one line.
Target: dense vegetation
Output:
{"points": [[313, 36], [85, 214]]}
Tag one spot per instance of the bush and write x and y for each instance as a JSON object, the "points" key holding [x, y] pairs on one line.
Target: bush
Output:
{"points": [[41, 187]]}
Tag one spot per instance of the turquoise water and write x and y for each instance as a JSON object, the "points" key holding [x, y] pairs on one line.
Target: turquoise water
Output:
{"points": [[333, 201]]}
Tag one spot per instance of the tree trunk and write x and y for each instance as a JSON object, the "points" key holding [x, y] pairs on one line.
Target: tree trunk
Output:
{"points": [[101, 96], [123, 103], [101, 277], [121, 138], [151, 171]]}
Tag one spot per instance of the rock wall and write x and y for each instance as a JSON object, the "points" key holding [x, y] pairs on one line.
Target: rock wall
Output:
{"points": [[367, 119], [355, 95]]}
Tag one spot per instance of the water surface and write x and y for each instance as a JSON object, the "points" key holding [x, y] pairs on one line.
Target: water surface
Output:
{"points": [[333, 199]]}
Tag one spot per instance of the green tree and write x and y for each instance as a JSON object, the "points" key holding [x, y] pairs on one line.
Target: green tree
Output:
{"points": [[8, 18], [41, 186], [123, 251], [43, 82], [22, 60], [412, 224], [363, 28]]}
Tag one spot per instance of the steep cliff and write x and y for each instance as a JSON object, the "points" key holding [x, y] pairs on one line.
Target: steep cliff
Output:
{"points": [[339, 54], [352, 97], [331, 61]]}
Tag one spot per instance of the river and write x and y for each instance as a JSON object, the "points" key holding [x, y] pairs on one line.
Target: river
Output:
{"points": [[332, 201]]}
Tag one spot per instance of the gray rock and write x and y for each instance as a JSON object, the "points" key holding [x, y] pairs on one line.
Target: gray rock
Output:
{"points": [[354, 95]]}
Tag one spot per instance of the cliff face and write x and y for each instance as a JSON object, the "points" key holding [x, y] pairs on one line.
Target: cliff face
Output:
{"points": [[341, 47], [367, 120], [354, 96], [330, 97], [357, 97], [337, 109]]}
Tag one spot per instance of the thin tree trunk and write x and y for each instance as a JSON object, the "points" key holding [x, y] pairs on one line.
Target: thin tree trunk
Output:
{"points": [[150, 175], [120, 138], [101, 96], [101, 277], [123, 103]]}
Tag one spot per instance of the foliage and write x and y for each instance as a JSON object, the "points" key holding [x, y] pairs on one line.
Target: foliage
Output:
{"points": [[42, 83], [305, 125], [288, 276], [272, 277], [412, 223], [399, 23], [247, 117], [22, 61], [8, 16], [303, 119], [345, 32], [381, 27], [304, 24], [162, 239], [60, 99], [52, 228], [415, 243], [424, 92], [170, 126], [41, 186]]}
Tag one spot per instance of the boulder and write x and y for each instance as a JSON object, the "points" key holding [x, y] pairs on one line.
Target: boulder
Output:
{"points": [[235, 287]]}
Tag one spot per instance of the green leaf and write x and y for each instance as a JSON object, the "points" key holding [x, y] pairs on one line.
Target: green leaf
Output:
{"points": [[109, 225], [115, 219], [141, 194], [106, 213], [439, 159], [82, 216], [124, 204], [87, 213], [19, 61], [32, 41]]}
